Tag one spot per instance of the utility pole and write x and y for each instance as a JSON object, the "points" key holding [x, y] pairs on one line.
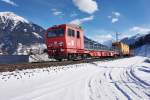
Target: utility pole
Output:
{"points": [[117, 36]]}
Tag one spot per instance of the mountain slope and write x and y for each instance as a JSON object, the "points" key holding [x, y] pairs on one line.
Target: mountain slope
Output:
{"points": [[133, 39], [15, 30], [140, 44], [144, 38]]}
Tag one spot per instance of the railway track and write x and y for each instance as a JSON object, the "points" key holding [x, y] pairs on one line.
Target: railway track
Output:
{"points": [[22, 66]]}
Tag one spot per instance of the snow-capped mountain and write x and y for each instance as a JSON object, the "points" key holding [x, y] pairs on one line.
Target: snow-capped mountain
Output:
{"points": [[133, 39], [8, 18], [16, 30], [140, 43], [138, 39]]}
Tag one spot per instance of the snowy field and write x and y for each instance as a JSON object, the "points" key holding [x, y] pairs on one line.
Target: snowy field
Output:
{"points": [[123, 79]]}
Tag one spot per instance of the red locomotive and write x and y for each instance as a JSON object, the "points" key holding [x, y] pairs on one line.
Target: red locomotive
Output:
{"points": [[66, 41]]}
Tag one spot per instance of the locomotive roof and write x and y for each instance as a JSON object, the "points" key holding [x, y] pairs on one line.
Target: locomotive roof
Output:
{"points": [[74, 26], [70, 25]]}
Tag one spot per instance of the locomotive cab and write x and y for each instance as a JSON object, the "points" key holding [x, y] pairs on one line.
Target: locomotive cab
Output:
{"points": [[74, 39], [64, 41]]}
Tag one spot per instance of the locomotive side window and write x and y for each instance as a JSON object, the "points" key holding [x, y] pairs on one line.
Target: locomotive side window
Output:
{"points": [[71, 32], [78, 34], [55, 32]]}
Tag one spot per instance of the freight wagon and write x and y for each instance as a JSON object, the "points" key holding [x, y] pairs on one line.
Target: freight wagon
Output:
{"points": [[124, 49]]}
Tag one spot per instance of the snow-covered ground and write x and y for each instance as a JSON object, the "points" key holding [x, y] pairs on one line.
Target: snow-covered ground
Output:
{"points": [[123, 79]]}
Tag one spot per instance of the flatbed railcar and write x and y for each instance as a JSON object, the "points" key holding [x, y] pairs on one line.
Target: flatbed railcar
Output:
{"points": [[66, 41]]}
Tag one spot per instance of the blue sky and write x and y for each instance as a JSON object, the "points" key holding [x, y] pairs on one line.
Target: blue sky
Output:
{"points": [[99, 18]]}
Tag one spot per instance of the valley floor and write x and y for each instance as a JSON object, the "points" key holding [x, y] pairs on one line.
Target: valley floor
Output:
{"points": [[123, 79]]}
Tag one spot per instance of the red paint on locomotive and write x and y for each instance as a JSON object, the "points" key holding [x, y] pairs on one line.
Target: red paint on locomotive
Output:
{"points": [[64, 39]]}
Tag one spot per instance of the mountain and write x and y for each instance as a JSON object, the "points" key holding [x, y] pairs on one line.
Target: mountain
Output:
{"points": [[144, 40], [140, 43], [16, 31], [133, 39], [137, 40]]}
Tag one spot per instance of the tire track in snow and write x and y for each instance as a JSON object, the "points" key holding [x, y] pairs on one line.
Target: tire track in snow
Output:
{"points": [[129, 84], [119, 82], [126, 82], [122, 91], [106, 89], [138, 79]]}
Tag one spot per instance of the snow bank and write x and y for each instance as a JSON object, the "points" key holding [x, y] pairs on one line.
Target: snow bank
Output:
{"points": [[40, 58]]}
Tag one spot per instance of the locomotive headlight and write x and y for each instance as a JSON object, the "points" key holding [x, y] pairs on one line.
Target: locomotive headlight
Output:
{"points": [[61, 43], [62, 50], [50, 44]]}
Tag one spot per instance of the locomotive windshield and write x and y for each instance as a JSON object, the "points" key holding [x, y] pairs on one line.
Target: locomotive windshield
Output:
{"points": [[56, 32]]}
